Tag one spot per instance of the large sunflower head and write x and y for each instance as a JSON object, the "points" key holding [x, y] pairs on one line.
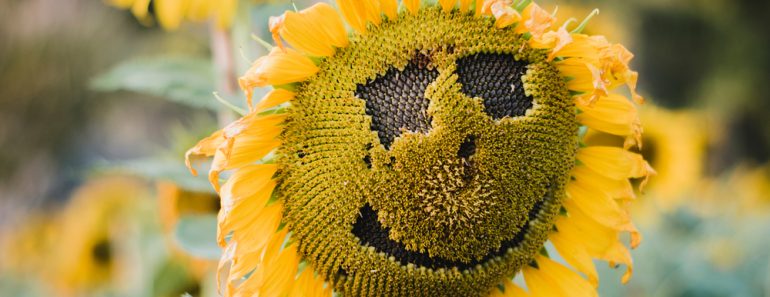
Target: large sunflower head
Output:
{"points": [[433, 150]]}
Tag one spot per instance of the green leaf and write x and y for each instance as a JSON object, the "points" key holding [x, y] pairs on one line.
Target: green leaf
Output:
{"points": [[185, 80], [197, 235], [162, 169]]}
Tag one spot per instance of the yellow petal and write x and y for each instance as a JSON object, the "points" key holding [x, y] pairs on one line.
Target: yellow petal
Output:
{"points": [[556, 41], [586, 78], [246, 141], [307, 285], [358, 13], [242, 265], [140, 10], [536, 21], [613, 114], [618, 254], [389, 8], [614, 162], [272, 99], [169, 13], [252, 231], [580, 234], [225, 12], [504, 14], [274, 25], [575, 255], [584, 46], [254, 238], [316, 31], [479, 9], [580, 228], [280, 274], [224, 287], [447, 5], [263, 268], [206, 147], [278, 68], [553, 279], [510, 289], [199, 10], [251, 184], [615, 60], [616, 188], [596, 202], [413, 6], [465, 5]]}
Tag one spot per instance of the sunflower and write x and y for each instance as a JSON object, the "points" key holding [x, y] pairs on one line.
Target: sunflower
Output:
{"points": [[93, 248], [434, 150], [24, 243], [171, 13]]}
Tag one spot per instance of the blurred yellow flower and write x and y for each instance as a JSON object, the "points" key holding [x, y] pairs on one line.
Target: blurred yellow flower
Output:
{"points": [[25, 245], [674, 142], [95, 234], [171, 13], [748, 188]]}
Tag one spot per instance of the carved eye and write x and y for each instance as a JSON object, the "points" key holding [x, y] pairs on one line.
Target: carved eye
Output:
{"points": [[496, 78], [397, 100]]}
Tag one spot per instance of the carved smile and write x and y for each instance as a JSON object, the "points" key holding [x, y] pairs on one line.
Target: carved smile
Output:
{"points": [[370, 232]]}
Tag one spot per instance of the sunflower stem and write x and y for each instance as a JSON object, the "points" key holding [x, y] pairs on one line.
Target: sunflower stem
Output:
{"points": [[583, 24], [224, 65]]}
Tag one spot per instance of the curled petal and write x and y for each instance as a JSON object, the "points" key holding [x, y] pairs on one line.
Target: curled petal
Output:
{"points": [[316, 31], [245, 142], [277, 68], [504, 14], [536, 20], [586, 79], [206, 148], [553, 40], [274, 24]]}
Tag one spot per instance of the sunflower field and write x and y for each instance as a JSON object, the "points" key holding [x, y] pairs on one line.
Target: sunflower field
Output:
{"points": [[384, 148]]}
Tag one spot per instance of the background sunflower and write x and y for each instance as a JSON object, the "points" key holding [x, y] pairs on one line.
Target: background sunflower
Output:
{"points": [[87, 90]]}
